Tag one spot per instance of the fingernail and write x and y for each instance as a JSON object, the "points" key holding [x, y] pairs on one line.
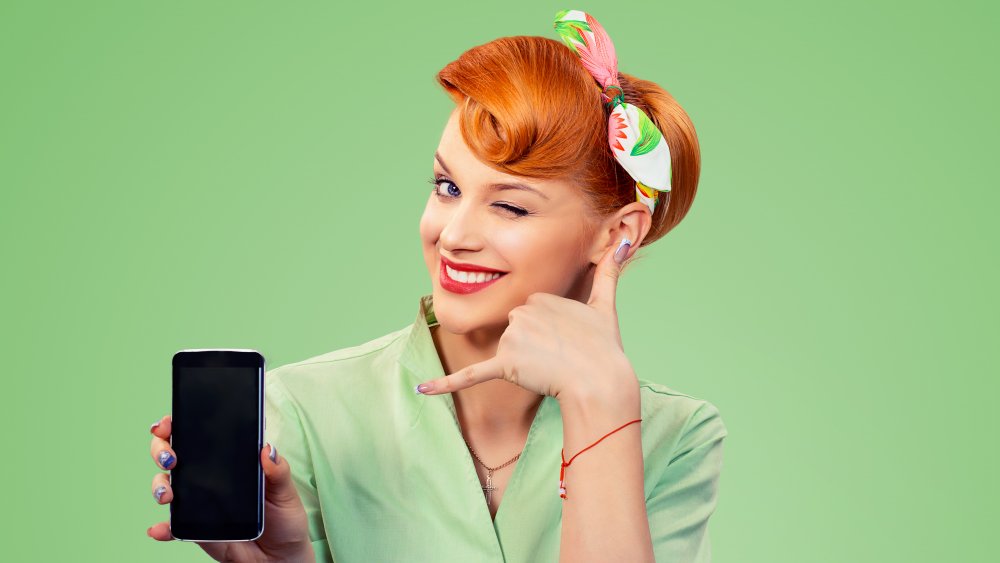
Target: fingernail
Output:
{"points": [[274, 454], [166, 459], [425, 387], [622, 251], [159, 492], [153, 427]]}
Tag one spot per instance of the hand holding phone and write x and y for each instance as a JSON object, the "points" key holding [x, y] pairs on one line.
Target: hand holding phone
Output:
{"points": [[214, 512], [287, 524]]}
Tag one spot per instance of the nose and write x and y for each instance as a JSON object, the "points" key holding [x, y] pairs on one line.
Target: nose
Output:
{"points": [[464, 228]]}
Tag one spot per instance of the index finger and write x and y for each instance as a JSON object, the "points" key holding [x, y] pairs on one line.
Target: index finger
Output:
{"points": [[465, 377], [160, 448]]}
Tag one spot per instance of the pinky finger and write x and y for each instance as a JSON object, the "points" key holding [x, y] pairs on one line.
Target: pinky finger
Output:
{"points": [[160, 531]]}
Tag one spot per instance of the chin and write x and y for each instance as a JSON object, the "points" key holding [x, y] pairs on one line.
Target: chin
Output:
{"points": [[458, 314]]}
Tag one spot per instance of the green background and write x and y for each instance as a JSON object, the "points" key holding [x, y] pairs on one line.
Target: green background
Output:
{"points": [[251, 174]]}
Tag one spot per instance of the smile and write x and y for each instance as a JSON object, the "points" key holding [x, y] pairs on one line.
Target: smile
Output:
{"points": [[470, 277], [458, 281]]}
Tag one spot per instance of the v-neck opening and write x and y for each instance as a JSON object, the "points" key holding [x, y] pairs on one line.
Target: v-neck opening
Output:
{"points": [[515, 478], [516, 481]]}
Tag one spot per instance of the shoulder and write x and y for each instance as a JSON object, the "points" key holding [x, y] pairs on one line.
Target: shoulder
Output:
{"points": [[682, 443], [345, 367], [675, 422]]}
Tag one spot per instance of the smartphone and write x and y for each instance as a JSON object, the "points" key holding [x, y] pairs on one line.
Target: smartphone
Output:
{"points": [[217, 432]]}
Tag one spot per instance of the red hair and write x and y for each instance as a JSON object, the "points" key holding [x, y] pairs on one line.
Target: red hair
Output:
{"points": [[529, 108]]}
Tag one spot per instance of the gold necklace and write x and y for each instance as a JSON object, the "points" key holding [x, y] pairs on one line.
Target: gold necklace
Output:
{"points": [[489, 488]]}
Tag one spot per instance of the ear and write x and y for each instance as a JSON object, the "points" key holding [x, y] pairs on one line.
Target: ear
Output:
{"points": [[632, 221]]}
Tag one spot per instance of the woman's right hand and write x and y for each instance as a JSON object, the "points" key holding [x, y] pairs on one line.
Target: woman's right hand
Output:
{"points": [[286, 533]]}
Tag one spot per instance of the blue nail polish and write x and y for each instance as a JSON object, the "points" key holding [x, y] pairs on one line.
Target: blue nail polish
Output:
{"points": [[166, 459], [619, 255], [273, 455], [159, 492]]}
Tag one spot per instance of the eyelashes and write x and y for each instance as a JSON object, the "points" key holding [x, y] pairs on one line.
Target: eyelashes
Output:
{"points": [[438, 180]]}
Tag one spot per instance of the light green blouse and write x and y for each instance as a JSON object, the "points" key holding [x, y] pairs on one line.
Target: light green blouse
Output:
{"points": [[385, 474]]}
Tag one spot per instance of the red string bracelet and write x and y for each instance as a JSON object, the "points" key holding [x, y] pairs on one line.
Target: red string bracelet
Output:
{"points": [[565, 464]]}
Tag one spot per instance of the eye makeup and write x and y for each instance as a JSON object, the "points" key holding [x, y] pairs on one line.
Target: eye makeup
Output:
{"points": [[436, 181]]}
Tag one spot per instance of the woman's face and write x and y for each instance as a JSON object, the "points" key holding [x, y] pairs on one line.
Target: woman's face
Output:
{"points": [[539, 239]]}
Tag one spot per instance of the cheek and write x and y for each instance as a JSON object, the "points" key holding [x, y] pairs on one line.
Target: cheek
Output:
{"points": [[430, 232], [518, 245], [536, 253], [430, 226]]}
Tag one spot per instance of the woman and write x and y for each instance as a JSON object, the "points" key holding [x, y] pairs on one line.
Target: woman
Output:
{"points": [[515, 355]]}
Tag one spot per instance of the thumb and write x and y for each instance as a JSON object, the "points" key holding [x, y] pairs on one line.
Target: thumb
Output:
{"points": [[605, 286], [280, 488]]}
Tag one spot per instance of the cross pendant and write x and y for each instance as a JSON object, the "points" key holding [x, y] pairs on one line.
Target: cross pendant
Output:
{"points": [[489, 488]]}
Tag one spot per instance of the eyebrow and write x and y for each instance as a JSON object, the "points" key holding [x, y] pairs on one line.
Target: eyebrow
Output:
{"points": [[497, 186]]}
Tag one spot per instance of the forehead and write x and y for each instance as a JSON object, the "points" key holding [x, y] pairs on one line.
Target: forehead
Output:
{"points": [[466, 166]]}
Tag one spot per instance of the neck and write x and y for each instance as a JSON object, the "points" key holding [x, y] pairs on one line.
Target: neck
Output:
{"points": [[496, 406]]}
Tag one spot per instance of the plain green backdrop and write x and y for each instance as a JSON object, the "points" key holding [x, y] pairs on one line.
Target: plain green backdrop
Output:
{"points": [[251, 174]]}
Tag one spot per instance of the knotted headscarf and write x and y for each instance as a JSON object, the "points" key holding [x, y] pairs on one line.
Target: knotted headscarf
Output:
{"points": [[636, 142]]}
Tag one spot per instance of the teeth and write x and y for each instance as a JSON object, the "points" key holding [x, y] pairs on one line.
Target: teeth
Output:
{"points": [[470, 277]]}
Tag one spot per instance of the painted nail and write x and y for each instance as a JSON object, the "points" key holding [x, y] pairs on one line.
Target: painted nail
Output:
{"points": [[166, 459], [425, 387], [153, 427], [619, 254], [273, 455], [159, 492]]}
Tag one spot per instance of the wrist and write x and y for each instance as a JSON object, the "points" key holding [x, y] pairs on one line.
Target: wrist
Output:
{"points": [[589, 414], [612, 395]]}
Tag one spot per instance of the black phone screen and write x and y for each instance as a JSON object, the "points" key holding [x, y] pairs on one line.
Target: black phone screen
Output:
{"points": [[217, 432]]}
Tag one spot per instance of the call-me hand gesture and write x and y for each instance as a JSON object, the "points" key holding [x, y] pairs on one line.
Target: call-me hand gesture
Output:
{"points": [[557, 346]]}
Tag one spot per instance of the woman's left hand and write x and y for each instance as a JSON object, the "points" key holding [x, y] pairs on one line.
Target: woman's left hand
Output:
{"points": [[557, 346]]}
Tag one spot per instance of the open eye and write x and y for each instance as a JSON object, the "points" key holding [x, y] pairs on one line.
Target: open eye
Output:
{"points": [[455, 192], [437, 184]]}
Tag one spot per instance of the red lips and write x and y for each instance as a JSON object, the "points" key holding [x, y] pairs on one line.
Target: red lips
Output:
{"points": [[469, 267], [456, 286]]}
